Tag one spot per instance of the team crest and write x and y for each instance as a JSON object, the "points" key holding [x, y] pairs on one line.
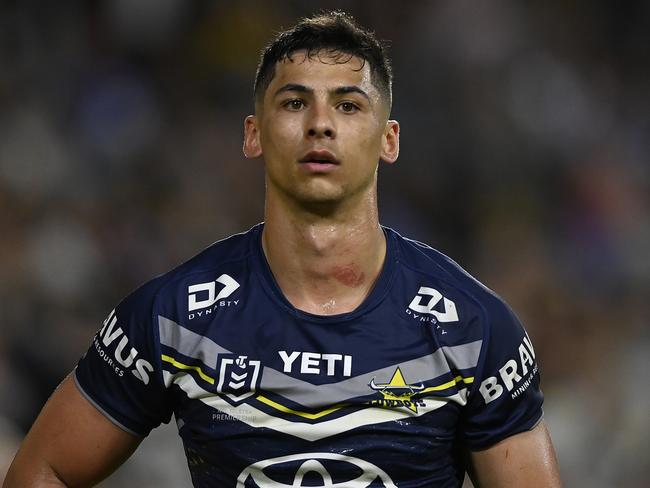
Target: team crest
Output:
{"points": [[397, 393], [239, 377]]}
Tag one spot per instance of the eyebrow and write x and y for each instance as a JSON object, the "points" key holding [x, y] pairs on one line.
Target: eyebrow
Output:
{"points": [[341, 90]]}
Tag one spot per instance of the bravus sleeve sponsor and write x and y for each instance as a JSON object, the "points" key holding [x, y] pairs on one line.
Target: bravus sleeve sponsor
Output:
{"points": [[120, 373], [506, 398]]}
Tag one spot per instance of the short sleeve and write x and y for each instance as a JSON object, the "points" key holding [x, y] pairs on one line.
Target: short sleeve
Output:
{"points": [[506, 398], [120, 372]]}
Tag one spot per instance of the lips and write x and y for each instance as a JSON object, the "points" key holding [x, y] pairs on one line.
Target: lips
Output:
{"points": [[321, 156]]}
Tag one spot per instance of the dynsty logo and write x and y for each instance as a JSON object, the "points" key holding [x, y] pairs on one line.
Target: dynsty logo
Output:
{"points": [[335, 471], [425, 307], [203, 299]]}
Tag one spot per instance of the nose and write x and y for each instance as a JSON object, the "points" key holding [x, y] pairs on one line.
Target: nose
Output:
{"points": [[320, 124]]}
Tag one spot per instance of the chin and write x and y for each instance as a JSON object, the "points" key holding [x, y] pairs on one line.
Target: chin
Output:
{"points": [[319, 199], [319, 202], [320, 194]]}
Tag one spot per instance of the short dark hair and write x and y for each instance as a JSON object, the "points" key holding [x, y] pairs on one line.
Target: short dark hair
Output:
{"points": [[335, 32]]}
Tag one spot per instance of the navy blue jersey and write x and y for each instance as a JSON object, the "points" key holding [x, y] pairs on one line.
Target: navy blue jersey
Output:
{"points": [[430, 365]]}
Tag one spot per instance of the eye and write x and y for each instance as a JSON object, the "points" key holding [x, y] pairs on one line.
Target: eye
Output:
{"points": [[348, 107], [294, 104]]}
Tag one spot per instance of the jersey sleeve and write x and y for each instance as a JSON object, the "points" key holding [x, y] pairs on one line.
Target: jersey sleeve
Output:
{"points": [[506, 398], [120, 372]]}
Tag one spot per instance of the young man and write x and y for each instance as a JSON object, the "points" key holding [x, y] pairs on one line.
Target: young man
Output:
{"points": [[318, 348]]}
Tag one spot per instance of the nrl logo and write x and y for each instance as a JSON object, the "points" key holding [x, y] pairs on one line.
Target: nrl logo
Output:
{"points": [[239, 377], [397, 393]]}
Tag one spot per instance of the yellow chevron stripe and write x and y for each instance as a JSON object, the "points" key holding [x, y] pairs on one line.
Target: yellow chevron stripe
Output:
{"points": [[449, 384], [282, 408], [323, 413], [172, 361]]}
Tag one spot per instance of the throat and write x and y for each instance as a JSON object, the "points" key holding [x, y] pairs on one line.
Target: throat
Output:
{"points": [[349, 275], [325, 270], [337, 289]]}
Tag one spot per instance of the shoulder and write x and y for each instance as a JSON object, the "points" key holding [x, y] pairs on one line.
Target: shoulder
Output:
{"points": [[201, 278], [457, 307], [469, 313], [431, 265]]}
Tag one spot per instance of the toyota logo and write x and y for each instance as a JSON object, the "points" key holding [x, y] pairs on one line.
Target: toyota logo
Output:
{"points": [[324, 465]]}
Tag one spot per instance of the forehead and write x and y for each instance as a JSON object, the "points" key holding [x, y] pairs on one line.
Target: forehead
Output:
{"points": [[322, 71]]}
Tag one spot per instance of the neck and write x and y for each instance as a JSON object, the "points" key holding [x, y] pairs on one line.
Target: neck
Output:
{"points": [[324, 263]]}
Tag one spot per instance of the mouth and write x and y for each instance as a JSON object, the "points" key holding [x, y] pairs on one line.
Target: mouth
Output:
{"points": [[319, 157]]}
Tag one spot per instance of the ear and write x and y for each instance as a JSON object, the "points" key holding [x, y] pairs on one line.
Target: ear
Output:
{"points": [[252, 146], [390, 142]]}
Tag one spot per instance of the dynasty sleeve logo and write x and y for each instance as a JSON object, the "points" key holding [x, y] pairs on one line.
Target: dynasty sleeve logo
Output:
{"points": [[427, 304]]}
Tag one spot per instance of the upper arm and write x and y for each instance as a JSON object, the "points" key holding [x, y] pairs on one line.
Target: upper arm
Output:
{"points": [[502, 422], [100, 413], [525, 459], [71, 443]]}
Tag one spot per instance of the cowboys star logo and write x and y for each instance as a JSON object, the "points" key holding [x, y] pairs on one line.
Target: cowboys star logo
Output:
{"points": [[397, 393]]}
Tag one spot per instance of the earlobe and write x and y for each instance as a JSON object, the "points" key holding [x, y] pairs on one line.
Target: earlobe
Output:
{"points": [[390, 142], [252, 147]]}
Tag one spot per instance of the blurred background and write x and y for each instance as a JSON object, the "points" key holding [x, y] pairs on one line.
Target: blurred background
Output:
{"points": [[525, 143]]}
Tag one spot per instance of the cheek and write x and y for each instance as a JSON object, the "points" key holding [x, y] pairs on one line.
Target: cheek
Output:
{"points": [[367, 141], [282, 133]]}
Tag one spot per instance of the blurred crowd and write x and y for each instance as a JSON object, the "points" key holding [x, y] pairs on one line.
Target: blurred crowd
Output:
{"points": [[525, 157]]}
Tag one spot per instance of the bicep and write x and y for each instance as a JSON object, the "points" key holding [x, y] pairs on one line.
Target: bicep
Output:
{"points": [[70, 441], [525, 459]]}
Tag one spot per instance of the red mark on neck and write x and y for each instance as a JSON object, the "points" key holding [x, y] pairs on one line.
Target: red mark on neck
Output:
{"points": [[349, 275]]}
